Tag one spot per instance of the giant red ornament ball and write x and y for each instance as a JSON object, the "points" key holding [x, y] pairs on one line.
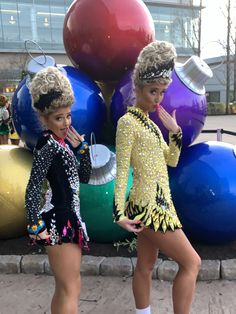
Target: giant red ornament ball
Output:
{"points": [[104, 37]]}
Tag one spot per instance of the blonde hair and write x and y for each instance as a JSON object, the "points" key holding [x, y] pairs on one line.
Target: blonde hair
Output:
{"points": [[50, 81], [154, 56]]}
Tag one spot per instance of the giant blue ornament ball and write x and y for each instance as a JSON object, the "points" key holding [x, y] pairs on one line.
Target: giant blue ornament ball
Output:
{"points": [[185, 94], [25, 119], [88, 110], [203, 188]]}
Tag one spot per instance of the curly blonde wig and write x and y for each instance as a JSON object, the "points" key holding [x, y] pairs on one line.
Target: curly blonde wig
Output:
{"points": [[154, 64], [50, 90]]}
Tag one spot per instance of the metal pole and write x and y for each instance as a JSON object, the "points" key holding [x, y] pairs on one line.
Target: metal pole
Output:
{"points": [[235, 64], [219, 135]]}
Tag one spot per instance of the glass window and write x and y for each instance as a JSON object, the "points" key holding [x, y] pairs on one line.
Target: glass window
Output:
{"points": [[177, 25], [1, 30], [10, 22], [57, 20], [231, 96], [170, 1], [43, 20], [43, 25], [213, 96], [26, 20]]}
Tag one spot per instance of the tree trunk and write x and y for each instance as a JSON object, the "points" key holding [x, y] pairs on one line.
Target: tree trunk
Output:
{"points": [[228, 59], [235, 66], [199, 30]]}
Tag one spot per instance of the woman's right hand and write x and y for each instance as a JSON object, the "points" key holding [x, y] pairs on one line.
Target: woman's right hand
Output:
{"points": [[131, 225], [168, 120], [40, 236], [74, 137]]}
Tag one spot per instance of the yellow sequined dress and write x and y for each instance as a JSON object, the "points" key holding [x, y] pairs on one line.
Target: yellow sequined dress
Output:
{"points": [[139, 143]]}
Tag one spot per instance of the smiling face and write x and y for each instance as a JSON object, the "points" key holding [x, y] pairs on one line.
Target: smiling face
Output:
{"points": [[58, 122], [149, 96]]}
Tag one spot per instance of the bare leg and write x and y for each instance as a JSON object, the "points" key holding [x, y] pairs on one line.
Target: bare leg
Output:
{"points": [[5, 139], [15, 142], [176, 245], [147, 254], [65, 263]]}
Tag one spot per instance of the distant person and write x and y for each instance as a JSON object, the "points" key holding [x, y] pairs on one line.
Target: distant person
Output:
{"points": [[149, 210], [4, 120], [13, 136], [58, 225]]}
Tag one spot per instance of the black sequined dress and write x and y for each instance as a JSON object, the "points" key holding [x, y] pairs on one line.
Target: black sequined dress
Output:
{"points": [[53, 160]]}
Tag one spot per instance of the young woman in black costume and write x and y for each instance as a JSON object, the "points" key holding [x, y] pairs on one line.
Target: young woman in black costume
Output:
{"points": [[56, 222]]}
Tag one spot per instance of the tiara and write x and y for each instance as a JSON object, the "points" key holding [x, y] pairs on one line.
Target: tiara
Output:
{"points": [[45, 100], [160, 71]]}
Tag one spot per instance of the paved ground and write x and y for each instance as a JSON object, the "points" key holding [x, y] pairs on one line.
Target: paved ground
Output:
{"points": [[23, 294], [227, 123]]}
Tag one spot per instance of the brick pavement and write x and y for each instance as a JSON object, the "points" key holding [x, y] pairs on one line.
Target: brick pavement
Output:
{"points": [[116, 267]]}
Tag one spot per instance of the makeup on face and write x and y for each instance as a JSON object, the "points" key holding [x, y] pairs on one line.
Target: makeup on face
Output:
{"points": [[59, 121], [150, 96]]}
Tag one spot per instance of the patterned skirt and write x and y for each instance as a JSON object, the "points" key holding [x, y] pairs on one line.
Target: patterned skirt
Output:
{"points": [[4, 129], [158, 217], [64, 227]]}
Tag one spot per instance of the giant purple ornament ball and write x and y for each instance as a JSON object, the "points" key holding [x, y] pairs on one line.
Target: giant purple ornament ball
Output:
{"points": [[186, 95]]}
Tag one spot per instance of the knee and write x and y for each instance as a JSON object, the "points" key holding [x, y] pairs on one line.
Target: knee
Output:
{"points": [[69, 288], [197, 263], [193, 265], [145, 267]]}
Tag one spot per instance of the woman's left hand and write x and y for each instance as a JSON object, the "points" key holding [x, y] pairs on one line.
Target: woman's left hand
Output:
{"points": [[169, 121], [74, 137]]}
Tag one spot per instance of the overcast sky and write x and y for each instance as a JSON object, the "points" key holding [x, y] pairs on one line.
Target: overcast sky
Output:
{"points": [[214, 26]]}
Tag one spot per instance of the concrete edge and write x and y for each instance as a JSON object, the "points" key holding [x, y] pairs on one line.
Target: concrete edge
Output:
{"points": [[116, 266]]}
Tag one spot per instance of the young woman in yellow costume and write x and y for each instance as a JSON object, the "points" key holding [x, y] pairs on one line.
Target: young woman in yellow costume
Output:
{"points": [[149, 210]]}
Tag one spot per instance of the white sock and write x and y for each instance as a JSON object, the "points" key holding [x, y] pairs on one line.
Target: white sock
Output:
{"points": [[147, 310]]}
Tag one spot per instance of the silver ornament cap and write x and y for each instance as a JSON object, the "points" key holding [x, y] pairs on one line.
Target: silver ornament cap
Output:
{"points": [[40, 62], [194, 73]]}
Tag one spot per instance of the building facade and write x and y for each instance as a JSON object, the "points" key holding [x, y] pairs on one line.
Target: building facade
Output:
{"points": [[216, 86], [176, 21], [42, 21]]}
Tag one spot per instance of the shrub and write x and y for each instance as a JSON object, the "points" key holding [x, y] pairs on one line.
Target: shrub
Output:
{"points": [[233, 107], [214, 108]]}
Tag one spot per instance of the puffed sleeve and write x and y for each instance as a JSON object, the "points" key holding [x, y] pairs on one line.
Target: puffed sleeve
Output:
{"points": [[172, 151], [5, 115], [85, 167], [124, 143], [42, 159]]}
